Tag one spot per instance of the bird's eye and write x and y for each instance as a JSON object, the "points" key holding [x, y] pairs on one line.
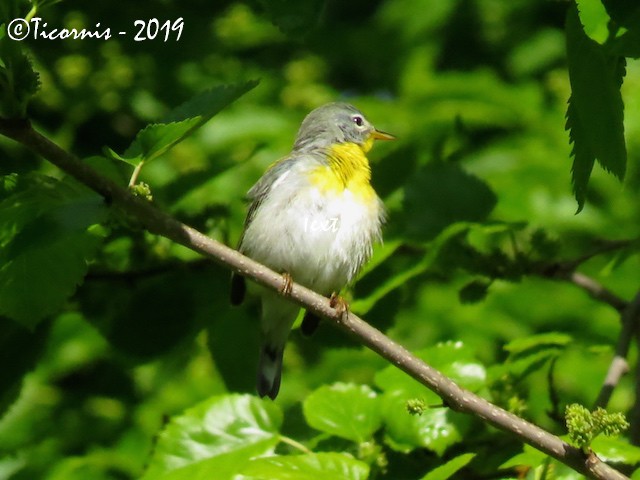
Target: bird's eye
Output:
{"points": [[358, 120]]}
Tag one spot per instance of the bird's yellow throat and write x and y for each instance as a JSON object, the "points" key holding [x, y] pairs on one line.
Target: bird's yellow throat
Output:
{"points": [[348, 168]]}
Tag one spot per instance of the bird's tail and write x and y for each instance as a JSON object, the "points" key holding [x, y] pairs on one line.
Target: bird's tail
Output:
{"points": [[278, 316], [269, 370]]}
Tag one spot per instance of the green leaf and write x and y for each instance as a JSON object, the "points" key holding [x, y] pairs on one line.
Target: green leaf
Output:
{"points": [[616, 450], [474, 291], [529, 457], [583, 158], [292, 16], [623, 12], [157, 139], [443, 472], [526, 345], [453, 359], [46, 245], [346, 410], [595, 113], [18, 81], [593, 16], [218, 426], [437, 428], [224, 466], [314, 466], [441, 194], [392, 282], [529, 354], [20, 349]]}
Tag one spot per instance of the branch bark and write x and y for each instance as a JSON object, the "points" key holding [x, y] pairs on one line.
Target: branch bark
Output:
{"points": [[619, 365], [157, 222]]}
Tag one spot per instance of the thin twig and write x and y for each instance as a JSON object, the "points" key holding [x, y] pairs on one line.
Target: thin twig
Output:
{"points": [[134, 176], [634, 415], [596, 290], [453, 396], [619, 366]]}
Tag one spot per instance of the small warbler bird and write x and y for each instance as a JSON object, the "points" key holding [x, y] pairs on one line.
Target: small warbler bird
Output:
{"points": [[314, 217]]}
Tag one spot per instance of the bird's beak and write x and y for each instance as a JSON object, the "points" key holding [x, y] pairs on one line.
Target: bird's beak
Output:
{"points": [[379, 135]]}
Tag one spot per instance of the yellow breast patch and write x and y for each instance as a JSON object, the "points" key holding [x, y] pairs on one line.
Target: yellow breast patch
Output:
{"points": [[348, 169]]}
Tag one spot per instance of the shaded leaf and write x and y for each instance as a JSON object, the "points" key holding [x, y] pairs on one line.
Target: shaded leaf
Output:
{"points": [[474, 291], [346, 410], [442, 194], [595, 113], [46, 246], [294, 17], [18, 81]]}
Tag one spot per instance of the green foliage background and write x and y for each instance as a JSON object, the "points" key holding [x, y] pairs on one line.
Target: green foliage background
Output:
{"points": [[107, 332]]}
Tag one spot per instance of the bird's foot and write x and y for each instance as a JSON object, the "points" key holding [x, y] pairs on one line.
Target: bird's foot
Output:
{"points": [[287, 284], [339, 304]]}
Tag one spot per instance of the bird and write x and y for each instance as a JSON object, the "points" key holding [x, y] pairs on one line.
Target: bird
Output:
{"points": [[314, 217]]}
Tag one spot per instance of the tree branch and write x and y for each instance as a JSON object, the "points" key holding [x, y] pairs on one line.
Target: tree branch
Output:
{"points": [[595, 290], [453, 396], [619, 366]]}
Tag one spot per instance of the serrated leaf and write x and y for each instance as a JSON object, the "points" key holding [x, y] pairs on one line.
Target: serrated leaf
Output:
{"points": [[18, 80], [443, 472], [595, 113], [346, 410], [440, 195], [313, 466], [45, 246], [157, 139], [217, 426], [583, 158]]}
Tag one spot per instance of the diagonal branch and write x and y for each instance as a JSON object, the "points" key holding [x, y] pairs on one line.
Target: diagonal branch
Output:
{"points": [[619, 366], [597, 291], [157, 222]]}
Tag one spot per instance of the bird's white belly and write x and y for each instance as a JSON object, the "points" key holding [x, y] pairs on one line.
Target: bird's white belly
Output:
{"points": [[321, 240]]}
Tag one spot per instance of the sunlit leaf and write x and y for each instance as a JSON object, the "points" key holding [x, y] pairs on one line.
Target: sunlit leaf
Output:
{"points": [[317, 466], [218, 426], [346, 410], [443, 472]]}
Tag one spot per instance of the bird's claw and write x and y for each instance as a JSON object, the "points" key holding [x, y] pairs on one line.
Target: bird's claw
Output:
{"points": [[287, 284], [339, 304]]}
